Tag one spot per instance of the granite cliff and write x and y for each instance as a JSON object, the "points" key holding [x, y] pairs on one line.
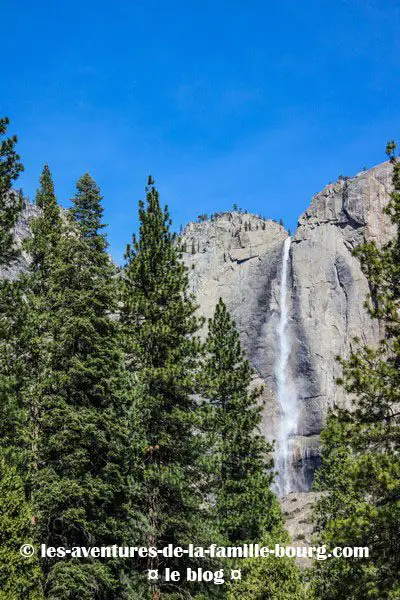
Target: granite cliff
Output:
{"points": [[21, 232], [238, 256]]}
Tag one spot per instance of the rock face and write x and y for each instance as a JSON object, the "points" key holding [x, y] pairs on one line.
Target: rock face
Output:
{"points": [[297, 508], [238, 257], [329, 288], [21, 232]]}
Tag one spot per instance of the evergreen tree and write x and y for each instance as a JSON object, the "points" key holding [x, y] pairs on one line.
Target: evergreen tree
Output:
{"points": [[270, 578], [239, 466], [239, 457], [35, 341], [160, 326], [361, 460], [18, 330], [11, 307], [12, 370], [79, 472], [20, 577], [46, 232], [10, 202]]}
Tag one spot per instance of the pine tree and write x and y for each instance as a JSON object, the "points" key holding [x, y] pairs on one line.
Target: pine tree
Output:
{"points": [[361, 446], [19, 577], [11, 307], [239, 464], [10, 202], [12, 370], [46, 232], [160, 326], [35, 339], [12, 312], [239, 457], [270, 578], [79, 472]]}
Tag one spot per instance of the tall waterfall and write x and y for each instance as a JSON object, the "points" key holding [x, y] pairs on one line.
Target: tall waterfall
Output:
{"points": [[285, 388]]}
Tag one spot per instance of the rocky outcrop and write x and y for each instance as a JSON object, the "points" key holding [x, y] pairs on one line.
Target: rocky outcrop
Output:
{"points": [[21, 232], [297, 509], [355, 205], [238, 257], [329, 288]]}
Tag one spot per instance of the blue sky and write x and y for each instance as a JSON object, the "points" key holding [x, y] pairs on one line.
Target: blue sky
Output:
{"points": [[259, 103]]}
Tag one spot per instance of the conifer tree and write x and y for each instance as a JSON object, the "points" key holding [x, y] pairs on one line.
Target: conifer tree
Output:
{"points": [[361, 447], [11, 306], [35, 340], [239, 466], [271, 577], [46, 232], [239, 456], [80, 472], [160, 327], [23, 327], [10, 202], [10, 292], [20, 577]]}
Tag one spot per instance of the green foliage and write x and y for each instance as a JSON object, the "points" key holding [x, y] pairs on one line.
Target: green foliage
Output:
{"points": [[13, 419], [24, 322], [46, 232], [33, 337], [160, 327], [77, 397], [361, 462], [269, 578], [76, 578], [10, 202], [20, 577], [238, 457], [87, 211]]}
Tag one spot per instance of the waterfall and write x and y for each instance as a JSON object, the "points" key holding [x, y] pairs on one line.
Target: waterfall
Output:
{"points": [[285, 388]]}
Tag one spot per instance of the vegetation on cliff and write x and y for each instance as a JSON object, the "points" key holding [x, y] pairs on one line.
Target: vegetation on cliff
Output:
{"points": [[361, 446]]}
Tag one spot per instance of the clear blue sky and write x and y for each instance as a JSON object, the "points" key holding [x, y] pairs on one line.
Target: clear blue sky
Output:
{"points": [[257, 102]]}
